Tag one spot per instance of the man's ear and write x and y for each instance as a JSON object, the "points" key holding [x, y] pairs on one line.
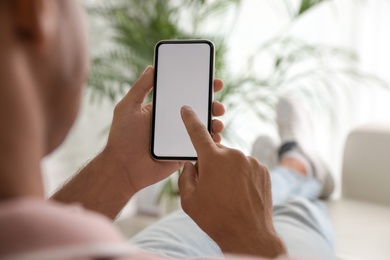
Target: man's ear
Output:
{"points": [[35, 20]]}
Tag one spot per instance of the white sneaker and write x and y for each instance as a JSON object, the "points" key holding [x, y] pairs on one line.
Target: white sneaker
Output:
{"points": [[264, 150], [295, 127], [294, 123]]}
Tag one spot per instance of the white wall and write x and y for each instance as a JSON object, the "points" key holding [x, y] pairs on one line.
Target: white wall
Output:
{"points": [[358, 25]]}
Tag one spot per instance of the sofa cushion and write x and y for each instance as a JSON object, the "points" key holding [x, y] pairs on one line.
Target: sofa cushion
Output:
{"points": [[362, 229], [366, 174]]}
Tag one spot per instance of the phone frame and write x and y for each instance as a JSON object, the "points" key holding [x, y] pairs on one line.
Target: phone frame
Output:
{"points": [[210, 95]]}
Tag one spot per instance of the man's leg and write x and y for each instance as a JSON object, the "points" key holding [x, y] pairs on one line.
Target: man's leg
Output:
{"points": [[287, 183], [299, 217], [177, 235], [305, 228]]}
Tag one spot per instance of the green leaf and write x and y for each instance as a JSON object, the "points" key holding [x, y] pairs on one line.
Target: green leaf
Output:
{"points": [[306, 5]]}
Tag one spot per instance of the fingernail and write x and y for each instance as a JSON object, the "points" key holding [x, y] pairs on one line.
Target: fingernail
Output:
{"points": [[148, 68], [186, 108]]}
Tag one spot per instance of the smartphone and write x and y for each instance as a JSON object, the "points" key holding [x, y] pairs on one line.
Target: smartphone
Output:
{"points": [[184, 75]]}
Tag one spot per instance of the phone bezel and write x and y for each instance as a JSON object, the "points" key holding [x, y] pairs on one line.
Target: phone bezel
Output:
{"points": [[210, 97]]}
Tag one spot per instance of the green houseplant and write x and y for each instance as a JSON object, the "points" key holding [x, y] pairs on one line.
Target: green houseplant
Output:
{"points": [[137, 25]]}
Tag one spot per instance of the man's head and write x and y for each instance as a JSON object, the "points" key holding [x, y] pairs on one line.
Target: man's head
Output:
{"points": [[50, 36]]}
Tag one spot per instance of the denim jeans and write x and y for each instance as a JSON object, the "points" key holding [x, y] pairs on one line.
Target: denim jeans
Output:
{"points": [[299, 218]]}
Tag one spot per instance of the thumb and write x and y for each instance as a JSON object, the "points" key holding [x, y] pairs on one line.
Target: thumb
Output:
{"points": [[138, 92], [187, 181]]}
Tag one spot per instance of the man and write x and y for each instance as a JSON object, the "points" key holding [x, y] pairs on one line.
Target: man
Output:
{"points": [[43, 67]]}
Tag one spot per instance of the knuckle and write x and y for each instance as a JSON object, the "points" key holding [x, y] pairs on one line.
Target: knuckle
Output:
{"points": [[259, 164], [261, 167], [186, 206], [237, 156], [253, 160], [118, 108]]}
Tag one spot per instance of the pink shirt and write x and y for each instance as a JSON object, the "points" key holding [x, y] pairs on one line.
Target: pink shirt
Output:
{"points": [[37, 229]]}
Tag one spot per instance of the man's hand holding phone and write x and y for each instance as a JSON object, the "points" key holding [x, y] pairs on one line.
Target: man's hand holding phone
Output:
{"points": [[125, 166], [228, 195], [128, 146]]}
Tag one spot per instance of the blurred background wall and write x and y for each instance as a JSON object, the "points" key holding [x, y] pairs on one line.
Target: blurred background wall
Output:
{"points": [[360, 26]]}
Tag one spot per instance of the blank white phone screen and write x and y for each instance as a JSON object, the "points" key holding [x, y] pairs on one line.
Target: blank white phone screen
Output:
{"points": [[183, 78]]}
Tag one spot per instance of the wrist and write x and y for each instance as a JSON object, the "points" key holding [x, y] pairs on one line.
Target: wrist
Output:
{"points": [[116, 171], [260, 243], [100, 186]]}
